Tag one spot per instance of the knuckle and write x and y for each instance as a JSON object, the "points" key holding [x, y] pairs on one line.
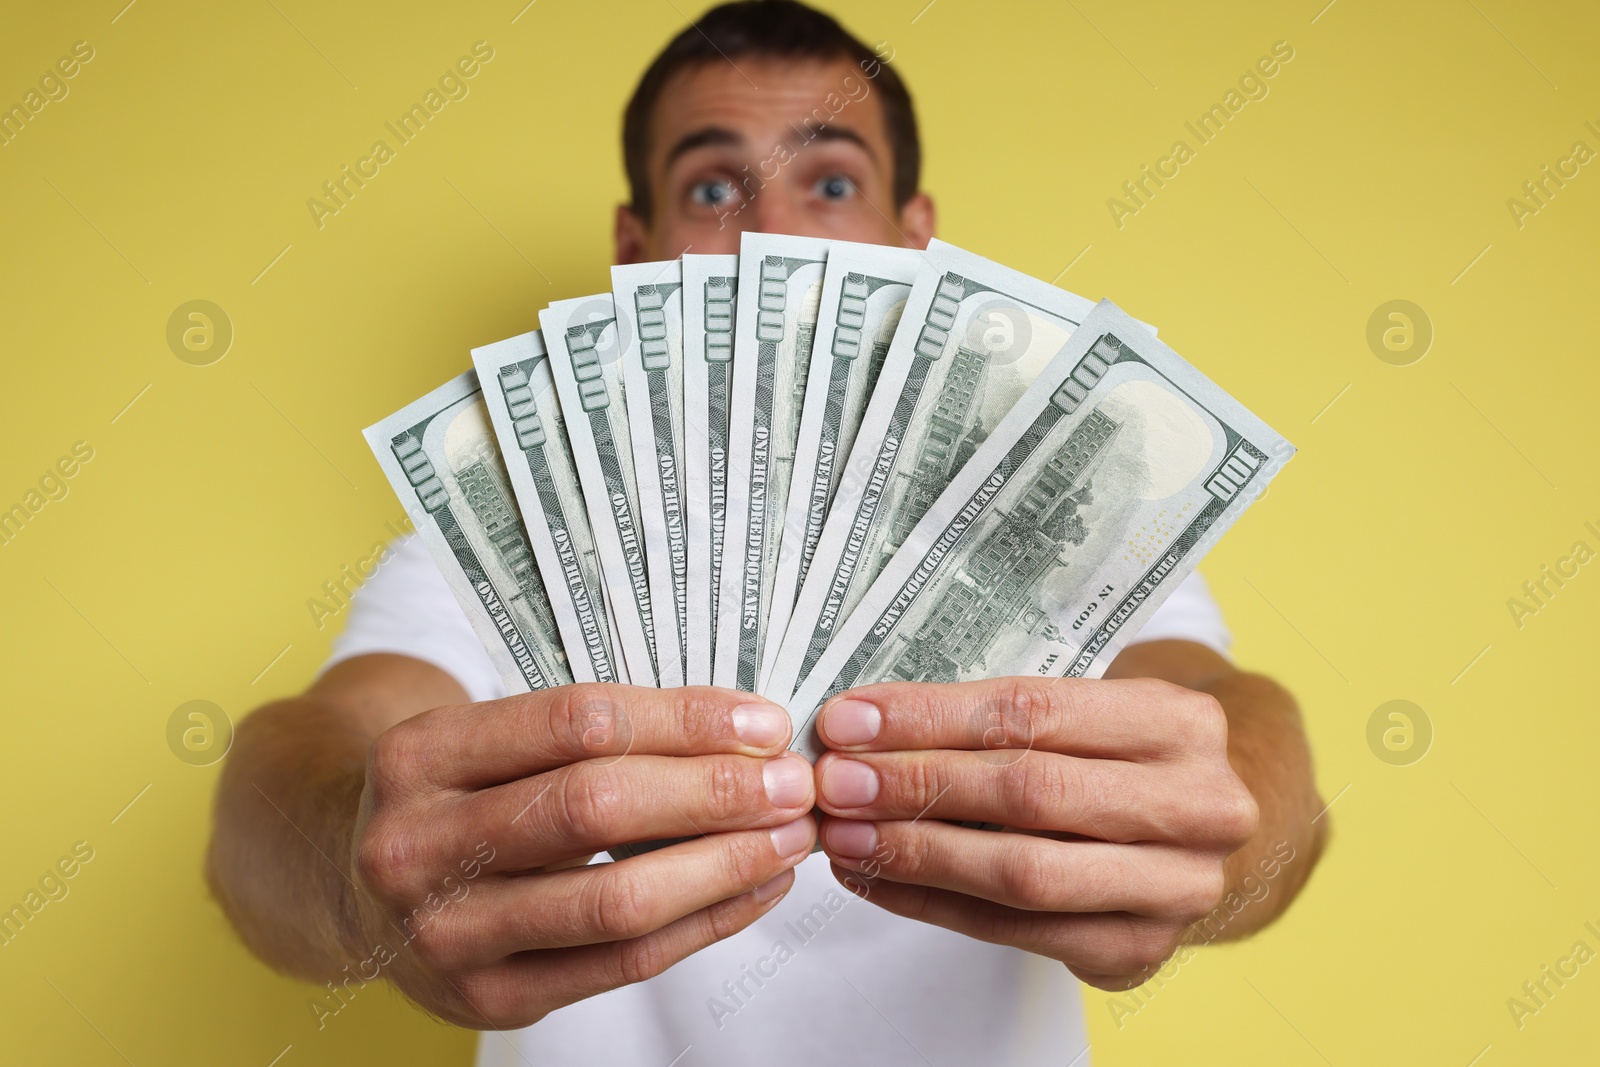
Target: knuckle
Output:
{"points": [[728, 789], [433, 946], [1028, 874], [1031, 703], [1037, 791], [1238, 813], [1143, 946], [583, 718], [1099, 883], [393, 762], [486, 993], [723, 919], [618, 908], [913, 783], [904, 849], [1200, 894], [1205, 721], [1008, 926], [700, 716], [746, 858], [496, 999], [385, 858], [591, 803], [641, 959]]}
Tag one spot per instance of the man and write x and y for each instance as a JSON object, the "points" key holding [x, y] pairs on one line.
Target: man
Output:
{"points": [[405, 819]]}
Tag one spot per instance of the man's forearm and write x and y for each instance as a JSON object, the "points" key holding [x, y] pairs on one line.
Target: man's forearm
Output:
{"points": [[1268, 750], [285, 810], [287, 804]]}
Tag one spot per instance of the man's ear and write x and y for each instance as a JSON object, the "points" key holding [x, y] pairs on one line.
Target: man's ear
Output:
{"points": [[917, 220], [630, 236]]}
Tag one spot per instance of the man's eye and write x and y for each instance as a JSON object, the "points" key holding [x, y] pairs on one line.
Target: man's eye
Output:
{"points": [[712, 193], [835, 187]]}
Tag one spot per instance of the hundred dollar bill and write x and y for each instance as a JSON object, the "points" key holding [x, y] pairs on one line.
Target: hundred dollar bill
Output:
{"points": [[972, 337], [864, 290], [440, 457], [585, 360], [710, 286], [1085, 506], [521, 398], [649, 303], [780, 283]]}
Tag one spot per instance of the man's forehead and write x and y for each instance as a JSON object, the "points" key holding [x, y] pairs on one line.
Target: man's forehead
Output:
{"points": [[759, 96]]}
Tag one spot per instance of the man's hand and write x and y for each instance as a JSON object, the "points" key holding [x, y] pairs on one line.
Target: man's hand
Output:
{"points": [[1122, 800], [359, 835], [543, 781]]}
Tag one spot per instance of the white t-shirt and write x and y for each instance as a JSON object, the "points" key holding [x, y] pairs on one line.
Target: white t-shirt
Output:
{"points": [[824, 978]]}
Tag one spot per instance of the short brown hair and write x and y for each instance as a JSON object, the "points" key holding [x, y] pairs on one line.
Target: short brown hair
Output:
{"points": [[770, 29]]}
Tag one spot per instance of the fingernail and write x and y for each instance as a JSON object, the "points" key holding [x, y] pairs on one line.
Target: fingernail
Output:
{"points": [[855, 840], [761, 725], [769, 889], [849, 783], [791, 837], [788, 780], [851, 722]]}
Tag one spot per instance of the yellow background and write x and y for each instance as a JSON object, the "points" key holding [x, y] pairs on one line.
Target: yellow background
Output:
{"points": [[1378, 567]]}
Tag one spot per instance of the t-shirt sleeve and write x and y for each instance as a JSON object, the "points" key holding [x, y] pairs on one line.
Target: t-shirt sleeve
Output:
{"points": [[1189, 614], [406, 609]]}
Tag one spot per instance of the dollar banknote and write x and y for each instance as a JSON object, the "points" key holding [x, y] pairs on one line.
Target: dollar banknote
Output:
{"points": [[1085, 506], [649, 303], [864, 289], [780, 285], [710, 288], [441, 459], [583, 336], [972, 337], [520, 395]]}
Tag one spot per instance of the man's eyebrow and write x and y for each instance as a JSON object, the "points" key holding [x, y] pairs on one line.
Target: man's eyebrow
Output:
{"points": [[720, 135], [840, 133], [701, 138]]}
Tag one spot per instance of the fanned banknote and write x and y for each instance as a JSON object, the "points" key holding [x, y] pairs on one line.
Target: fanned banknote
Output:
{"points": [[864, 289], [710, 287], [1085, 506], [440, 457], [972, 337], [649, 303], [780, 284], [585, 360], [520, 395], [959, 481]]}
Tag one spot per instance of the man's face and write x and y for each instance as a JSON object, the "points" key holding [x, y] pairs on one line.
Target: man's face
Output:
{"points": [[744, 147]]}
